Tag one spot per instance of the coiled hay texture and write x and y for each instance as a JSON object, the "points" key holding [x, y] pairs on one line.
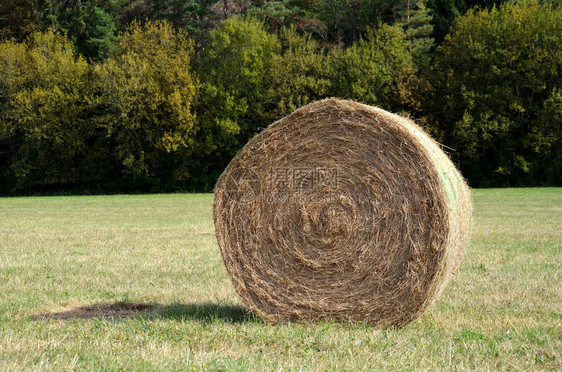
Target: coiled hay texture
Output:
{"points": [[341, 211]]}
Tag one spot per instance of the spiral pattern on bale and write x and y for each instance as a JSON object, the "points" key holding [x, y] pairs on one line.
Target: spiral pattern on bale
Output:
{"points": [[341, 211]]}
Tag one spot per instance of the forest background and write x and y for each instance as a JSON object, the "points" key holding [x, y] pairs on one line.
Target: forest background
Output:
{"points": [[123, 96]]}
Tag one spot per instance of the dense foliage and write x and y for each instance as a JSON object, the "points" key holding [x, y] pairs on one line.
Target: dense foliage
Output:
{"points": [[124, 124], [499, 79], [158, 95], [44, 107]]}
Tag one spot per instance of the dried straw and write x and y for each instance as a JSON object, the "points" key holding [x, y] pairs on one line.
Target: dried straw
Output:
{"points": [[341, 211]]}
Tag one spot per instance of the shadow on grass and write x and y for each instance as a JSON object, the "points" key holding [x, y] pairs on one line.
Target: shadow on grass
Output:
{"points": [[206, 312]]}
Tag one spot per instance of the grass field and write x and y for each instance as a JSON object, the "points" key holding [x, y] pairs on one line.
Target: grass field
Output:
{"points": [[137, 282]]}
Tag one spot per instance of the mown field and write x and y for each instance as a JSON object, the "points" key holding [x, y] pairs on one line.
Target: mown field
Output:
{"points": [[137, 283]]}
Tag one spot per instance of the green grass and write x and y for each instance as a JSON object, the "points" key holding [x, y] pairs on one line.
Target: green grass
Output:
{"points": [[59, 255]]}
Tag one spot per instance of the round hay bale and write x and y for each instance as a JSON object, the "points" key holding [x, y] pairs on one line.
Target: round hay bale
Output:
{"points": [[341, 211]]}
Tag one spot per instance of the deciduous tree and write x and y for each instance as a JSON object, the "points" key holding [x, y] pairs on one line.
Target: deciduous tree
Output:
{"points": [[44, 103], [497, 93], [374, 70], [146, 100]]}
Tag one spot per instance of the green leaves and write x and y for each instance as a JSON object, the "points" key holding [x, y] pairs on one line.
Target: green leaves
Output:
{"points": [[494, 75], [148, 107], [301, 73], [43, 108], [147, 91], [372, 70], [64, 122], [234, 75]]}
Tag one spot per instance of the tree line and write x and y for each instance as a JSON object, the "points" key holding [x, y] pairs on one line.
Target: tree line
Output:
{"points": [[101, 96]]}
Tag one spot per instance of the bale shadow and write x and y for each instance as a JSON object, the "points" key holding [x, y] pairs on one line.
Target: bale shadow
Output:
{"points": [[206, 312], [102, 310]]}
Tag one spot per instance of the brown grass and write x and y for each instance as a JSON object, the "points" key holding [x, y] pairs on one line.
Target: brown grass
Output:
{"points": [[341, 211]]}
